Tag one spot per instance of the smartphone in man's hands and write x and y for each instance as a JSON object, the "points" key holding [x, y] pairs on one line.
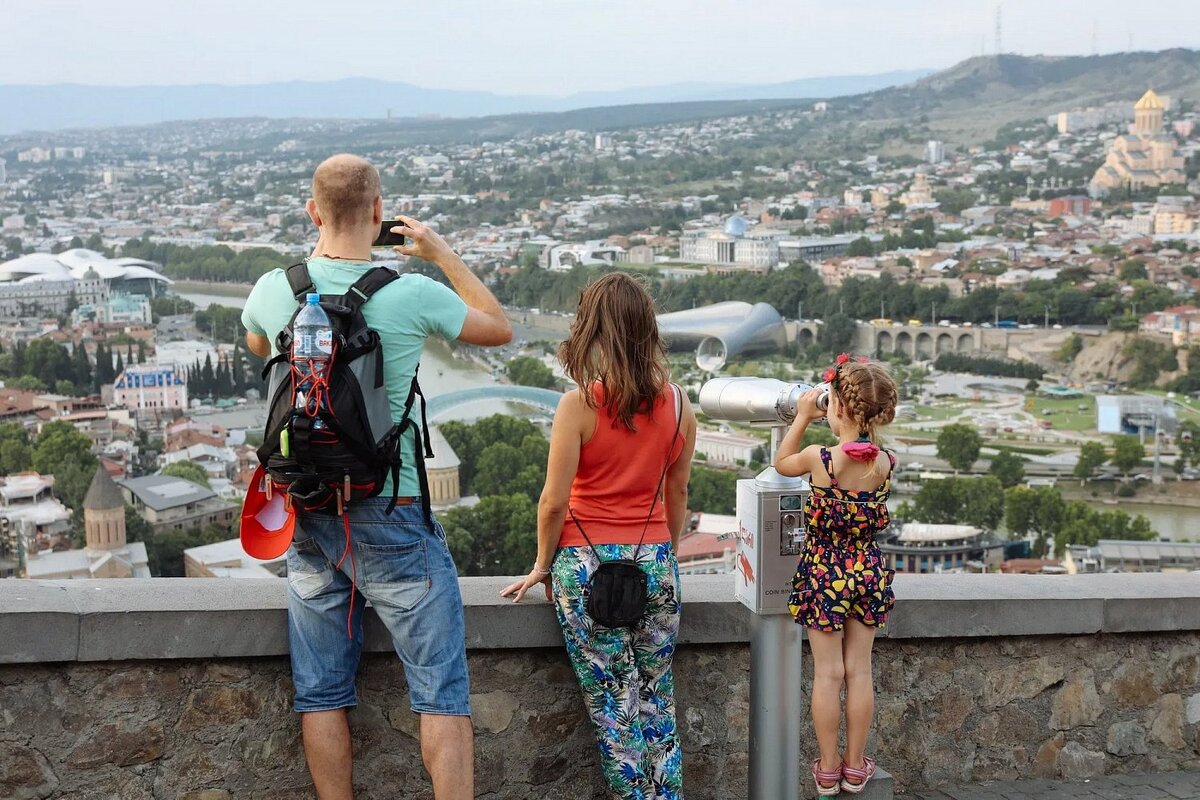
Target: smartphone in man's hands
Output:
{"points": [[386, 238]]}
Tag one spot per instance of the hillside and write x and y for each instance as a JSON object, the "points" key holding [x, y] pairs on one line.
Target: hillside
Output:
{"points": [[59, 106], [966, 103], [971, 100]]}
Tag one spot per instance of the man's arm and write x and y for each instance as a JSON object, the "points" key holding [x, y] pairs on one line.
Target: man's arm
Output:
{"points": [[258, 344], [486, 323]]}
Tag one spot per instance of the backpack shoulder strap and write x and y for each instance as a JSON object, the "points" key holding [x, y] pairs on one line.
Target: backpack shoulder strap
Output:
{"points": [[365, 287], [299, 281]]}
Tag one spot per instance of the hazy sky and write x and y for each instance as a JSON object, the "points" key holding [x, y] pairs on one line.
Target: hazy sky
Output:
{"points": [[549, 46]]}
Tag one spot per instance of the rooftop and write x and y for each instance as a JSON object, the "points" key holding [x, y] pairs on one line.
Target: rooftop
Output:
{"points": [[103, 493], [161, 492]]}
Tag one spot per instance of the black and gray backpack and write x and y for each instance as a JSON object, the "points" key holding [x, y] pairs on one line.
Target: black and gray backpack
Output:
{"points": [[346, 450]]}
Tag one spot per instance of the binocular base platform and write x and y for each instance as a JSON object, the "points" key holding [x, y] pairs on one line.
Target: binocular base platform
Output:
{"points": [[878, 788]]}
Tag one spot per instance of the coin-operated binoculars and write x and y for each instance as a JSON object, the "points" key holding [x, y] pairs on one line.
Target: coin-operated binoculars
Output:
{"points": [[769, 538]]}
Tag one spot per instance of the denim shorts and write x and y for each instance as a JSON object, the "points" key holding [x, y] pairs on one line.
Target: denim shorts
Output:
{"points": [[405, 570]]}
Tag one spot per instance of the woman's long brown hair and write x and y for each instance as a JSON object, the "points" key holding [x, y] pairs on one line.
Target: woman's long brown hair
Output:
{"points": [[614, 339]]}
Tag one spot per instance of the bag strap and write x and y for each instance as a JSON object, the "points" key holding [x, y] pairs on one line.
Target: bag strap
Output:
{"points": [[299, 281], [366, 286], [676, 394]]}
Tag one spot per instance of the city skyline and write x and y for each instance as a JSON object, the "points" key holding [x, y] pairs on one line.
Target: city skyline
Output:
{"points": [[536, 46]]}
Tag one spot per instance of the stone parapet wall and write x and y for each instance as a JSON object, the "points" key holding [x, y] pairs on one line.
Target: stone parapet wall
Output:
{"points": [[980, 677]]}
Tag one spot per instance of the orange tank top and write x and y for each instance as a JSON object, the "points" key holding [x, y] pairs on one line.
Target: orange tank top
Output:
{"points": [[618, 473]]}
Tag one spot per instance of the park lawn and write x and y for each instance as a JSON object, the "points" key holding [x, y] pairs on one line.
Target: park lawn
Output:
{"points": [[1067, 416], [937, 412]]}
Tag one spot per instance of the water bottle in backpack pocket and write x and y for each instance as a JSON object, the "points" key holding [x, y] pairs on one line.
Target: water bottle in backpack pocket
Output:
{"points": [[312, 352]]}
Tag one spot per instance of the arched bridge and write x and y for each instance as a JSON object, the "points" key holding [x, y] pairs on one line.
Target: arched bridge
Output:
{"points": [[542, 399], [914, 341]]}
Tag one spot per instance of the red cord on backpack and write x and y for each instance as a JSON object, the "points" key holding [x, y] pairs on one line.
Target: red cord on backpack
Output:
{"points": [[353, 575]]}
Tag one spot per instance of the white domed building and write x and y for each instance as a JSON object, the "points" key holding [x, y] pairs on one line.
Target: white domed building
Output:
{"points": [[736, 245], [48, 283]]}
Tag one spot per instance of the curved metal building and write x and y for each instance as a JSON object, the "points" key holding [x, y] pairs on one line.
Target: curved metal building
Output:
{"points": [[723, 330]]}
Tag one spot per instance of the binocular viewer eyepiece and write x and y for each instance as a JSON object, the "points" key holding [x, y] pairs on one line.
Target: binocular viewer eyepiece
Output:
{"points": [[761, 400]]}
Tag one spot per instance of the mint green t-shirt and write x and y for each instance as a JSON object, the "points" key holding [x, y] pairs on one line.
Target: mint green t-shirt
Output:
{"points": [[405, 313]]}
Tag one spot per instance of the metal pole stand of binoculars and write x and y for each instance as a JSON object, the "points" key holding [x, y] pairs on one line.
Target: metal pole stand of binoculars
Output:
{"points": [[770, 535]]}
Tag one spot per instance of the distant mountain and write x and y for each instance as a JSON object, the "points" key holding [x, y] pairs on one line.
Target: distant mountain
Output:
{"points": [[58, 106], [979, 95]]}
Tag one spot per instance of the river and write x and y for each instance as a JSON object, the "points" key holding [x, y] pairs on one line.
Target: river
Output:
{"points": [[441, 371]]}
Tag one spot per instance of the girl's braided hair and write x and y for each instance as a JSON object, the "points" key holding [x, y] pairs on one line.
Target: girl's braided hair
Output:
{"points": [[868, 395]]}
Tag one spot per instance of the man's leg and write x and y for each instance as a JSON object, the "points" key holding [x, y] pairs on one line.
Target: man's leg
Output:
{"points": [[405, 570], [448, 750], [327, 748], [324, 659]]}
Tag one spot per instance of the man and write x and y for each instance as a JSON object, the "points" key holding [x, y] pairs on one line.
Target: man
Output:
{"points": [[399, 562]]}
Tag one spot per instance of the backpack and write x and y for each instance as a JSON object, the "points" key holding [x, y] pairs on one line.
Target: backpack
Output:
{"points": [[351, 457]]}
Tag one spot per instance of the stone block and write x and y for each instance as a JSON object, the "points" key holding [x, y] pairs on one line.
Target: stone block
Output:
{"points": [[24, 773], [169, 618], [493, 712], [1126, 739], [1076, 763], [1076, 703], [993, 605], [121, 744], [1193, 709], [41, 606], [1143, 602], [1168, 723]]}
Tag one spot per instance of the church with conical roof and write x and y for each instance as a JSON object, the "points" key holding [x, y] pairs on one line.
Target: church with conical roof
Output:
{"points": [[107, 554], [1146, 157]]}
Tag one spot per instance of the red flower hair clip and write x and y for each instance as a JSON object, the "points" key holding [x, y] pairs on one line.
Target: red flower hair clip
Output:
{"points": [[831, 374]]}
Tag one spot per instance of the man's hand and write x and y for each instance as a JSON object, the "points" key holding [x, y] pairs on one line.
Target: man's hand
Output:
{"points": [[423, 241]]}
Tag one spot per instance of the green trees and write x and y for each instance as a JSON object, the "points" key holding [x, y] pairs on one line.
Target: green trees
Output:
{"points": [[16, 452], [982, 365], [1070, 348], [1009, 468], [66, 454], [958, 445], [496, 537], [503, 460], [1038, 511], [960, 501], [860, 247], [954, 201], [712, 491], [1150, 359], [1091, 456], [837, 334], [189, 471], [1128, 452], [526, 371]]}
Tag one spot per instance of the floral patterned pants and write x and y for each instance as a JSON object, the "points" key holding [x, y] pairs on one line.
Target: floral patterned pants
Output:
{"points": [[625, 673]]}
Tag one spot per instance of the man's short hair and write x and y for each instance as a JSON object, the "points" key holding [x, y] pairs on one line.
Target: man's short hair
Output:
{"points": [[345, 187]]}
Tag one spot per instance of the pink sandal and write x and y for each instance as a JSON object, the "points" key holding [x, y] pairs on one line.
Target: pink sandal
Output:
{"points": [[828, 782], [855, 780]]}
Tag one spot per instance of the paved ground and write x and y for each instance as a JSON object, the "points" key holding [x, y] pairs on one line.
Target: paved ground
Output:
{"points": [[1148, 786]]}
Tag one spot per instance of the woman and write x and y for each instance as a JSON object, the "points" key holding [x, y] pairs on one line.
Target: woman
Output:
{"points": [[620, 456]]}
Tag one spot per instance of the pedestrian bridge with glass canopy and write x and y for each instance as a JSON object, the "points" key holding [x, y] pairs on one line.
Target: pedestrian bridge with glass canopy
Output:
{"points": [[442, 406]]}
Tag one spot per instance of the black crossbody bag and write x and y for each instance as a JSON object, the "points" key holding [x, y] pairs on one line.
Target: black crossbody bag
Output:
{"points": [[617, 598]]}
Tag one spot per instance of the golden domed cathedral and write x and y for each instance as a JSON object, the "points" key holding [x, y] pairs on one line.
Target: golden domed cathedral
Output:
{"points": [[1146, 157]]}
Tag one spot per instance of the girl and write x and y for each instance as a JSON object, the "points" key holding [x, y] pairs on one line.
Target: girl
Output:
{"points": [[616, 488], [842, 591]]}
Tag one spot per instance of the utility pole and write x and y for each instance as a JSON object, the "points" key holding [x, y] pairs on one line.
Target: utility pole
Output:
{"points": [[800, 311], [933, 313], [1046, 325], [997, 322]]}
